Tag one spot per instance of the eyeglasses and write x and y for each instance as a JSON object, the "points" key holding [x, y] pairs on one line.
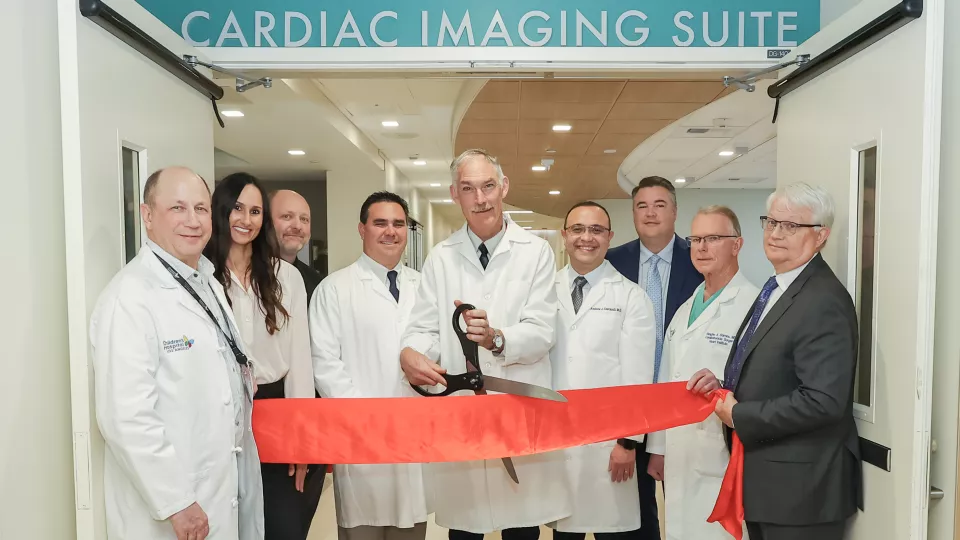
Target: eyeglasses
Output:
{"points": [[710, 240], [788, 227], [579, 229]]}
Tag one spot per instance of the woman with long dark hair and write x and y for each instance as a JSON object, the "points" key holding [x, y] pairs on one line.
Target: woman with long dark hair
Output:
{"points": [[269, 302]]}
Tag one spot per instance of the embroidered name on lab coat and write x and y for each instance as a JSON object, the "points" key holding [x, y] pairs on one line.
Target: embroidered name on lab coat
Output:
{"points": [[177, 345], [719, 339], [613, 309]]}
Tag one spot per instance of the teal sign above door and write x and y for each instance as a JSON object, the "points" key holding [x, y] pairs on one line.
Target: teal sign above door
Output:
{"points": [[478, 23]]}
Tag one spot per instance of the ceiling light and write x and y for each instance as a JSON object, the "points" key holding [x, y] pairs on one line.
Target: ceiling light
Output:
{"points": [[390, 123], [554, 192], [296, 152], [448, 200], [681, 180], [420, 162], [551, 151], [610, 151], [561, 127], [538, 168], [528, 228], [726, 153], [518, 211], [436, 184], [232, 114]]}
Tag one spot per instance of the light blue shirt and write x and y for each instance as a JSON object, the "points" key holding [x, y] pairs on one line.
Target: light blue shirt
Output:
{"points": [[663, 266], [593, 277], [491, 243]]}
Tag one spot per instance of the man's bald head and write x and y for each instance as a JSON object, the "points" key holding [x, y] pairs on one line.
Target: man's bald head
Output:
{"points": [[168, 173], [291, 221]]}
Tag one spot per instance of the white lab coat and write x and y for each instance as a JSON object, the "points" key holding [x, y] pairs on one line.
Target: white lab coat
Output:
{"points": [[355, 328], [696, 456], [165, 407], [610, 342], [517, 291]]}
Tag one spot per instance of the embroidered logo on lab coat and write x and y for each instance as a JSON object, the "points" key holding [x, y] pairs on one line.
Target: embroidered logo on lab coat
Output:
{"points": [[719, 339], [177, 345]]}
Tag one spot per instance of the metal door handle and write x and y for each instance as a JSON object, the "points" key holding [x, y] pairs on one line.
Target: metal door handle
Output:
{"points": [[935, 493]]}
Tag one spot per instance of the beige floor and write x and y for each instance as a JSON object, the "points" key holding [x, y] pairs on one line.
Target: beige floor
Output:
{"points": [[325, 522]]}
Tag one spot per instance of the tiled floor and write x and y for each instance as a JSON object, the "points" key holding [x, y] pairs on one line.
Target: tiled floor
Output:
{"points": [[325, 522]]}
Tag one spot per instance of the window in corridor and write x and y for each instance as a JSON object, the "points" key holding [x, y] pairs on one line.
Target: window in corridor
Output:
{"points": [[130, 173], [866, 273]]}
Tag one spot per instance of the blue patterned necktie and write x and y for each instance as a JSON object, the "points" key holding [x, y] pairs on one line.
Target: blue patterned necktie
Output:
{"points": [[733, 371], [577, 295], [655, 291], [392, 276]]}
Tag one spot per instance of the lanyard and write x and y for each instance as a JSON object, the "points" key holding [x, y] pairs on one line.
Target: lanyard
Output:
{"points": [[237, 353]]}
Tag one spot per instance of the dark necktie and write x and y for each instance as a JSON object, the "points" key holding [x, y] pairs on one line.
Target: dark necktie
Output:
{"points": [[733, 372], [392, 276], [483, 256], [577, 294]]}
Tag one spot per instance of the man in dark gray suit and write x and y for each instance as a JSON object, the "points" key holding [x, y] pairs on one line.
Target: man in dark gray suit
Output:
{"points": [[792, 373]]}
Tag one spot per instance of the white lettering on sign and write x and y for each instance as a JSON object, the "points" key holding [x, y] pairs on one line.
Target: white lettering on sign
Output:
{"points": [[307, 29], [496, 22], [677, 21], [706, 30], [644, 32], [185, 28], [599, 34], [545, 32], [447, 29], [783, 27], [231, 30], [761, 17], [373, 28], [354, 32], [264, 31]]}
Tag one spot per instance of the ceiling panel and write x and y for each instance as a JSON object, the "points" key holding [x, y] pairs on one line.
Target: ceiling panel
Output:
{"points": [[514, 120]]}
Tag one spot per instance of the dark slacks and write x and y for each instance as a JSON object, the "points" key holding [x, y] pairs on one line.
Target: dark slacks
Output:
{"points": [[520, 533], [625, 535], [287, 513], [824, 531], [647, 486]]}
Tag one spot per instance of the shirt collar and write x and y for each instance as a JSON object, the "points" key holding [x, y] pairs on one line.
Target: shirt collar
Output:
{"points": [[666, 254], [491, 243], [378, 269], [787, 278], [204, 267], [593, 277]]}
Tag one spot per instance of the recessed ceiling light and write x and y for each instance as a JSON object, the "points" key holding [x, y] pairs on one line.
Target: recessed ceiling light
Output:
{"points": [[232, 114], [554, 192], [726, 153], [448, 200], [562, 127], [538, 168], [436, 184], [296, 152], [528, 228], [420, 162], [390, 123], [551, 151], [610, 151], [681, 180], [518, 211]]}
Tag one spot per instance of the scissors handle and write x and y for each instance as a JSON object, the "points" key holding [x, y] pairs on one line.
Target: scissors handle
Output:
{"points": [[472, 379]]}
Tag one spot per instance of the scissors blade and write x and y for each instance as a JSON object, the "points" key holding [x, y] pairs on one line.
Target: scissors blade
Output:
{"points": [[516, 388], [508, 464]]}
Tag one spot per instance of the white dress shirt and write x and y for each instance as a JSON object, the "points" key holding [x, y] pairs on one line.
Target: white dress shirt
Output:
{"points": [[663, 267], [491, 243], [285, 353], [380, 271], [784, 281]]}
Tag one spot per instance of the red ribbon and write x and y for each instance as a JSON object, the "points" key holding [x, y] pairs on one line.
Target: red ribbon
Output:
{"points": [[463, 428], [728, 511]]}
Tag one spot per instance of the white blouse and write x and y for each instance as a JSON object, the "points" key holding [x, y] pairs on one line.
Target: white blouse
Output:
{"points": [[287, 351]]}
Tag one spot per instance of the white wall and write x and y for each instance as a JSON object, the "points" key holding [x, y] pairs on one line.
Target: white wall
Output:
{"points": [[110, 95], [830, 10], [346, 191], [36, 501], [748, 204]]}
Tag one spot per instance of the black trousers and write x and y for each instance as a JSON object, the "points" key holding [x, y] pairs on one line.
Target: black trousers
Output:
{"points": [[520, 533], [625, 535], [647, 487], [824, 531], [287, 513]]}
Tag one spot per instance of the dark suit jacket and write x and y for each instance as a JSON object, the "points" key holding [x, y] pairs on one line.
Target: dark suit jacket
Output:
{"points": [[684, 278], [311, 278], [801, 461]]}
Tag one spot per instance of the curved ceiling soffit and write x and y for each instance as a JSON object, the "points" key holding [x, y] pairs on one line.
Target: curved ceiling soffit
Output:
{"points": [[514, 120], [689, 147]]}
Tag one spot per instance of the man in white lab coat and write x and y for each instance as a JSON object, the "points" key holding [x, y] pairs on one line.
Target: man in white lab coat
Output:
{"points": [[508, 274], [691, 460], [356, 318], [173, 386], [606, 336]]}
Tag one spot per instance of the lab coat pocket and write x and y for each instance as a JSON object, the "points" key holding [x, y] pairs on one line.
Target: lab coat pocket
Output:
{"points": [[711, 454]]}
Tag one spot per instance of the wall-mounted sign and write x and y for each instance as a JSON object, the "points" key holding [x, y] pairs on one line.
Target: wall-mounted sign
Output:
{"points": [[476, 23]]}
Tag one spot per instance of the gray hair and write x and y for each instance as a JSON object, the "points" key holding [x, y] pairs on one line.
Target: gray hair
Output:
{"points": [[474, 152], [721, 210], [802, 195]]}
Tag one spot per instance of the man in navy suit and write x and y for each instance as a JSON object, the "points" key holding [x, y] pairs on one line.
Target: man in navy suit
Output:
{"points": [[659, 261]]}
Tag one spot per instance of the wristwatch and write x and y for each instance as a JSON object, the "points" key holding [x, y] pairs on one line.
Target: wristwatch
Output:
{"points": [[497, 342], [629, 444]]}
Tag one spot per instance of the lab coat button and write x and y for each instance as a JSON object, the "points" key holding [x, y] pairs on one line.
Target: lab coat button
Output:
{"points": [[237, 450], [487, 297], [574, 327], [235, 502], [488, 364]]}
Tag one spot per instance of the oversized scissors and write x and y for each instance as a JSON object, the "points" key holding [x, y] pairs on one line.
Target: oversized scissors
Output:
{"points": [[475, 380]]}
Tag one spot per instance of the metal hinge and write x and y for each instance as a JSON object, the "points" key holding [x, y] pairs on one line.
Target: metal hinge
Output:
{"points": [[746, 82], [244, 83]]}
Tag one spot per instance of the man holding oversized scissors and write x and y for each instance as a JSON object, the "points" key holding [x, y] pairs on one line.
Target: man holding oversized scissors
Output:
{"points": [[508, 274]]}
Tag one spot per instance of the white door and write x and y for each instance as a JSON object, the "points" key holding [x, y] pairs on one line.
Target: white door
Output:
{"points": [[122, 118], [868, 129]]}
